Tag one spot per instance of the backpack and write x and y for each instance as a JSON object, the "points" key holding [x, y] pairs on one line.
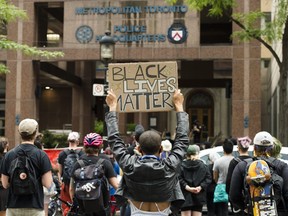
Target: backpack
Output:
{"points": [[91, 183], [237, 159], [23, 178], [71, 158], [272, 185]]}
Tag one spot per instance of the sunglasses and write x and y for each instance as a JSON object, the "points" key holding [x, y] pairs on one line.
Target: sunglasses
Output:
{"points": [[73, 141]]}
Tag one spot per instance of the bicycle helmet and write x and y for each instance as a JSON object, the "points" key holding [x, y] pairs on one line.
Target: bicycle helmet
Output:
{"points": [[92, 139]]}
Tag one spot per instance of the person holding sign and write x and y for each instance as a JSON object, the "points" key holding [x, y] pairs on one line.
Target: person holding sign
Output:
{"points": [[140, 171]]}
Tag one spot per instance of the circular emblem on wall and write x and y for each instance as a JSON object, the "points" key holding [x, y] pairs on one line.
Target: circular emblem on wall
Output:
{"points": [[177, 33], [84, 34]]}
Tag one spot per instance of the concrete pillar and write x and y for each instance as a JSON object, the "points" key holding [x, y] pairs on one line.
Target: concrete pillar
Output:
{"points": [[20, 82]]}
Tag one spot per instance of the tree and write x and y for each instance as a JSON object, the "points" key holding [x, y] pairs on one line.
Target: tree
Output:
{"points": [[275, 30], [10, 13]]}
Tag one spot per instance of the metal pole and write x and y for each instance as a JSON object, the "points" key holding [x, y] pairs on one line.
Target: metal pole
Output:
{"points": [[105, 107]]}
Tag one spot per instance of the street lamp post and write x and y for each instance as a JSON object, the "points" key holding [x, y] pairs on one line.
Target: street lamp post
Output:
{"points": [[107, 45]]}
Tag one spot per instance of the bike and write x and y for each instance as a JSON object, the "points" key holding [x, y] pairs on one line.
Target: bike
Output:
{"points": [[54, 207]]}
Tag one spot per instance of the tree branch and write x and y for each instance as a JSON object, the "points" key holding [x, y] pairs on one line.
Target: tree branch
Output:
{"points": [[268, 46]]}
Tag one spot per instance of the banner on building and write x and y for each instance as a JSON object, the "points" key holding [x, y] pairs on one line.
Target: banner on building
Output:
{"points": [[144, 86]]}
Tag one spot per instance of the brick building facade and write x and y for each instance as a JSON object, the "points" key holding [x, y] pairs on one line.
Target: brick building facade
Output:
{"points": [[220, 77]]}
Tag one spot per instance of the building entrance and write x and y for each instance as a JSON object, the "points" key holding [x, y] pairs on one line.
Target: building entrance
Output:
{"points": [[200, 106], [204, 117]]}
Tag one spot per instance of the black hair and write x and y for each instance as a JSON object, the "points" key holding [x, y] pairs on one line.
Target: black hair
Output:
{"points": [[150, 142], [228, 145], [139, 129]]}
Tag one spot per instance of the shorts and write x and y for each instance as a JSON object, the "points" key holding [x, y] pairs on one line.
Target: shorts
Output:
{"points": [[197, 208], [3, 198], [24, 212]]}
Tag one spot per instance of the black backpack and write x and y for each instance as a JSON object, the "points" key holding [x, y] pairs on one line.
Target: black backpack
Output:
{"points": [[275, 179], [71, 158], [91, 183], [23, 179]]}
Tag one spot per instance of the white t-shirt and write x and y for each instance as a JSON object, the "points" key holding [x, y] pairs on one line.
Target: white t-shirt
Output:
{"points": [[137, 212], [221, 166]]}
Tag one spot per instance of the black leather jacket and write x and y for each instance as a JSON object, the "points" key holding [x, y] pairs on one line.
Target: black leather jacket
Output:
{"points": [[148, 178]]}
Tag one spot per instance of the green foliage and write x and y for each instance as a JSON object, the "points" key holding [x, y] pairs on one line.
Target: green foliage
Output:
{"points": [[11, 45], [271, 31], [217, 7], [281, 15], [131, 127], [3, 68], [9, 13], [99, 127], [249, 22], [51, 140]]}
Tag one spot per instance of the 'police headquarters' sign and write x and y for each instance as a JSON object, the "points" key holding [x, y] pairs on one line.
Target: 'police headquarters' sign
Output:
{"points": [[145, 87]]}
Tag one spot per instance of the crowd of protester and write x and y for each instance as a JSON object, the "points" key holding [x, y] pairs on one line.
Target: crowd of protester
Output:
{"points": [[183, 183]]}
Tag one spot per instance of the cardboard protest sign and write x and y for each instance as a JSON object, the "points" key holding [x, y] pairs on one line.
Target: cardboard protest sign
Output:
{"points": [[144, 86]]}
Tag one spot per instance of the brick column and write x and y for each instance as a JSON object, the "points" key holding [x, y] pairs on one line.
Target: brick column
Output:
{"points": [[246, 84]]}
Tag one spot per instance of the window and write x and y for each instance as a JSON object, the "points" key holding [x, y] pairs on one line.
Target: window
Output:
{"points": [[266, 19], [215, 30], [3, 29], [49, 24], [2, 104], [265, 63]]}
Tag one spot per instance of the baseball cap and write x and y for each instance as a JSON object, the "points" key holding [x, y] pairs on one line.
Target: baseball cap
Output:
{"points": [[166, 145], [193, 149], [73, 136], [263, 138], [28, 126]]}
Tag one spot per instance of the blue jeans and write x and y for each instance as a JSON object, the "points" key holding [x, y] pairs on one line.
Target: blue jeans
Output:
{"points": [[221, 208]]}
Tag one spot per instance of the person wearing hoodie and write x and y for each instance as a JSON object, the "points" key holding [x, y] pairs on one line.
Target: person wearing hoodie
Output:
{"points": [[194, 179]]}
